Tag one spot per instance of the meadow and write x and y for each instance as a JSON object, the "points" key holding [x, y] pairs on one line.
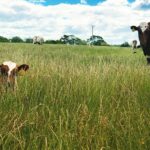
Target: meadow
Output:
{"points": [[76, 98]]}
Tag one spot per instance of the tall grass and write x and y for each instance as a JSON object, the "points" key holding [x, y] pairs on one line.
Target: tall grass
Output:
{"points": [[76, 97]]}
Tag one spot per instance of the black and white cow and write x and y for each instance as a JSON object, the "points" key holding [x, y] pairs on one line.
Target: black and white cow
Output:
{"points": [[38, 40], [144, 37], [134, 46]]}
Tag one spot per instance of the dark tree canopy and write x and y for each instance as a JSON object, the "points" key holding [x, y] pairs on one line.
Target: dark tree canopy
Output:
{"points": [[125, 44], [72, 40], [3, 39], [29, 40], [16, 39], [96, 40]]}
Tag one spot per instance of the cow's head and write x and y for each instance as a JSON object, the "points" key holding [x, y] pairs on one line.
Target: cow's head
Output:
{"points": [[144, 26], [144, 37]]}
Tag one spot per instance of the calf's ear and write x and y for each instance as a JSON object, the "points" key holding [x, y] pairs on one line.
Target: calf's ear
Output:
{"points": [[134, 28], [24, 67]]}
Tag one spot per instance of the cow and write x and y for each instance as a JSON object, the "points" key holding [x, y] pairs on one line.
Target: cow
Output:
{"points": [[8, 73], [144, 37], [38, 40], [134, 45]]}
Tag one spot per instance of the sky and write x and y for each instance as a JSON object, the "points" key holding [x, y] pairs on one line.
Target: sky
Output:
{"points": [[54, 18], [55, 2]]}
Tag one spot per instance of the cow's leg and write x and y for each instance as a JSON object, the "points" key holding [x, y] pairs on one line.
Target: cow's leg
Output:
{"points": [[134, 51], [5, 83], [15, 85], [148, 60]]}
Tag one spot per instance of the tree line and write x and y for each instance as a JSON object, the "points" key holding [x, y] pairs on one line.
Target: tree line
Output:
{"points": [[15, 39], [65, 39]]}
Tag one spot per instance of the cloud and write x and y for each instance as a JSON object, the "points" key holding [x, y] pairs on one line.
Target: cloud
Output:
{"points": [[36, 1], [111, 18], [115, 2], [83, 1], [142, 4]]}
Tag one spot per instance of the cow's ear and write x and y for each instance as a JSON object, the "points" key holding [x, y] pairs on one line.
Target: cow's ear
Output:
{"points": [[134, 28], [23, 67]]}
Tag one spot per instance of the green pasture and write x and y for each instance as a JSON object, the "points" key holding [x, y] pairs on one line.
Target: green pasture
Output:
{"points": [[76, 98]]}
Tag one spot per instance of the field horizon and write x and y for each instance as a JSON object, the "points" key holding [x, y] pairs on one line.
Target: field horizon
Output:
{"points": [[76, 97]]}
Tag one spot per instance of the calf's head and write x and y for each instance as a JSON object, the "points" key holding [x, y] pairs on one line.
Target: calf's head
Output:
{"points": [[23, 67], [9, 71]]}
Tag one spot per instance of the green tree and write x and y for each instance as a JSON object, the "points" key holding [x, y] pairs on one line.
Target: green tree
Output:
{"points": [[125, 44], [71, 39], [96, 40], [16, 39], [3, 39], [64, 39], [29, 40]]}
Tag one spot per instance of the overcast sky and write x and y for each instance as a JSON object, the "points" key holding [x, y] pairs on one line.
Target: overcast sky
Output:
{"points": [[53, 18]]}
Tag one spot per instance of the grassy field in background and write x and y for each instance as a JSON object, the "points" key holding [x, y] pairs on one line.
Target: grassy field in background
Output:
{"points": [[76, 98]]}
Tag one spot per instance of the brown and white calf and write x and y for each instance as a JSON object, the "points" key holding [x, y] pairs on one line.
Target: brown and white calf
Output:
{"points": [[8, 73]]}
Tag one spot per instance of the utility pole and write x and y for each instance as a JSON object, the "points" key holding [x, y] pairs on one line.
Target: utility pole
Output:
{"points": [[92, 33], [92, 29]]}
